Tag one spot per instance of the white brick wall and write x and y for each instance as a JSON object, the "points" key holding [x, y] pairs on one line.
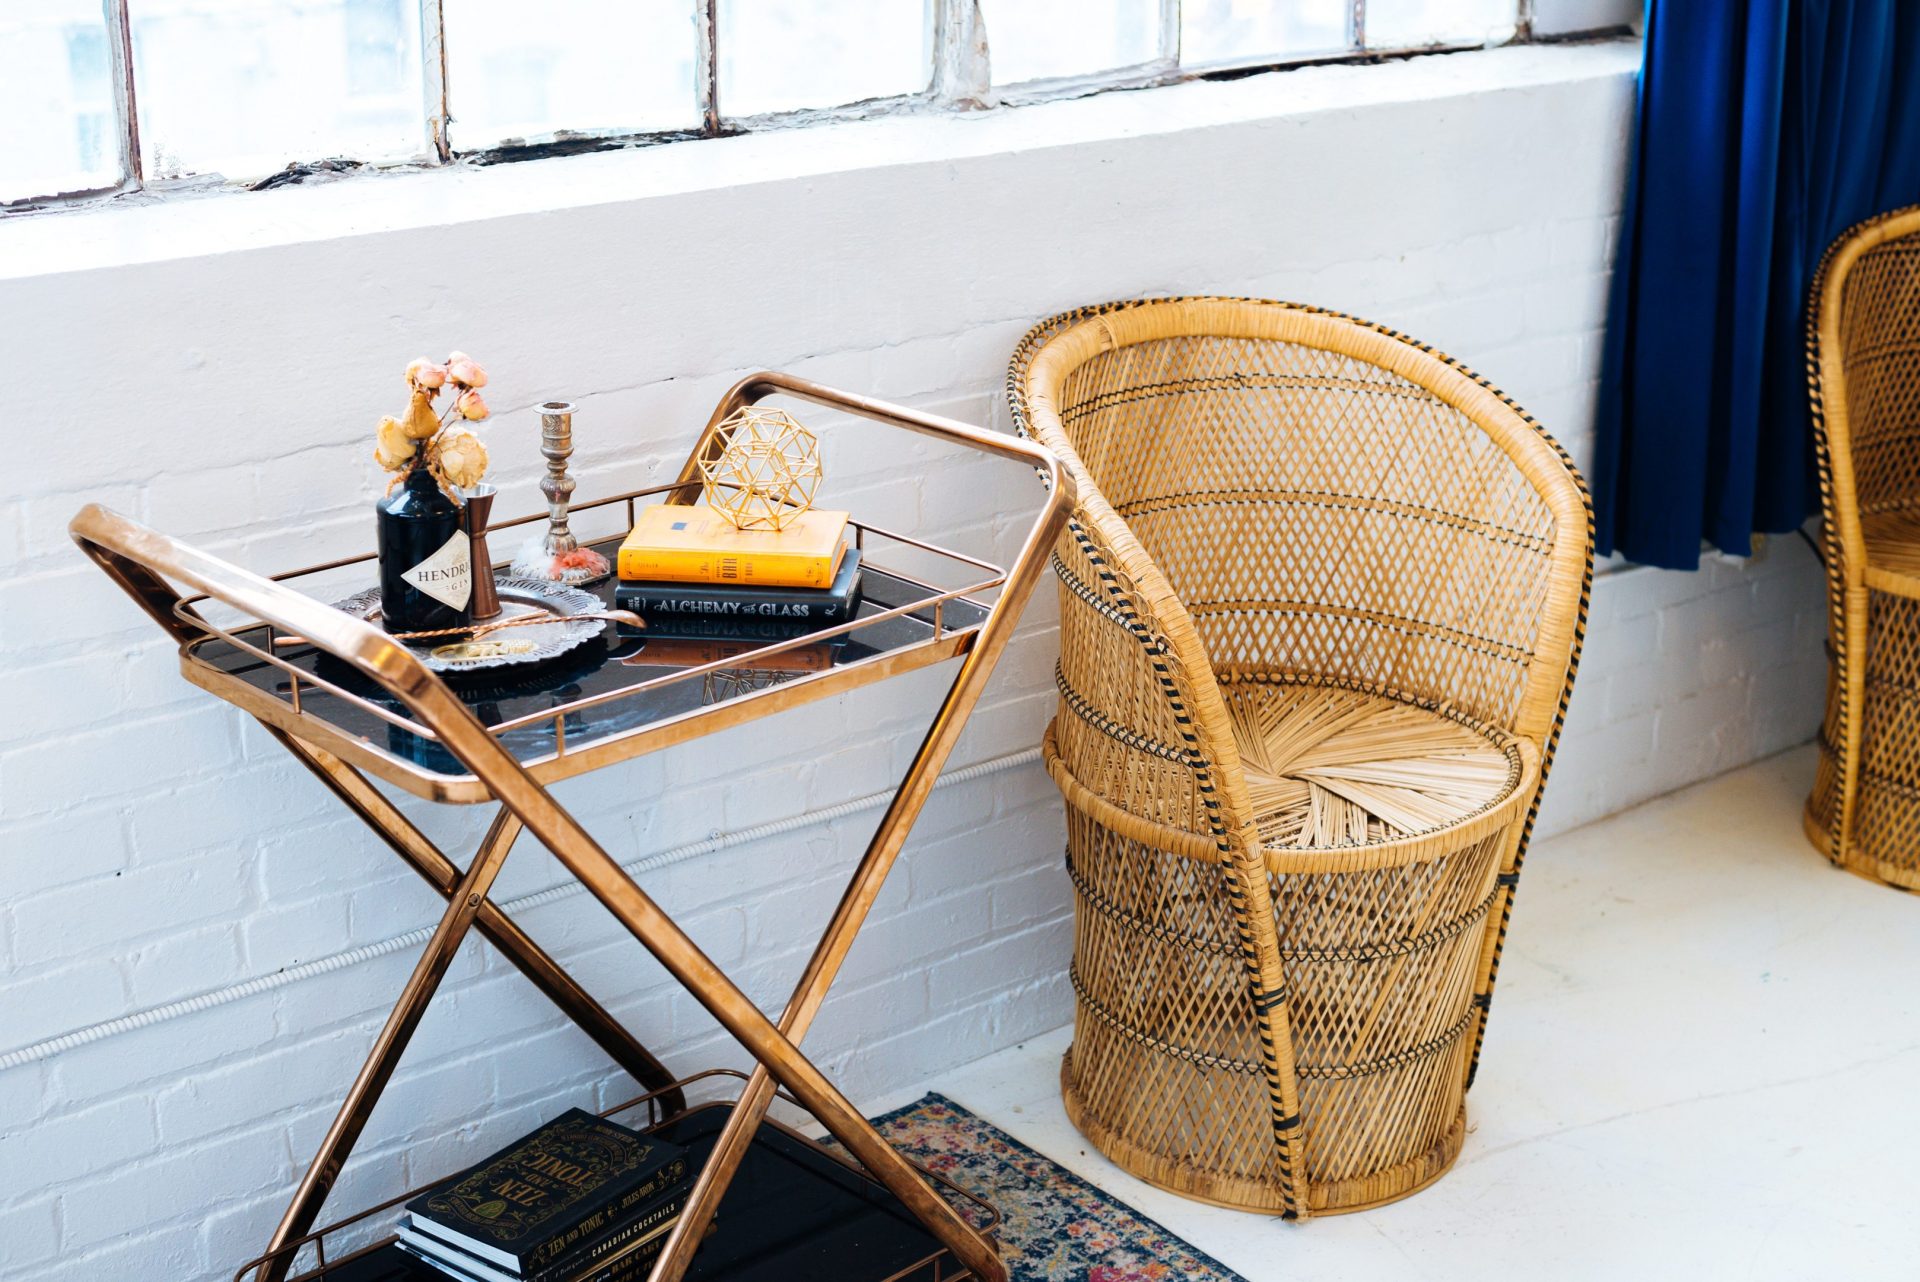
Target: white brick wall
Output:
{"points": [[221, 382], [1686, 676]]}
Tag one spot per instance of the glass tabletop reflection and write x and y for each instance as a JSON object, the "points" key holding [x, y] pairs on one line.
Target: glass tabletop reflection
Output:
{"points": [[620, 657]]}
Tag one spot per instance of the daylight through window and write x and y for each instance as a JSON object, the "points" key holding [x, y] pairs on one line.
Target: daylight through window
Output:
{"points": [[103, 96]]}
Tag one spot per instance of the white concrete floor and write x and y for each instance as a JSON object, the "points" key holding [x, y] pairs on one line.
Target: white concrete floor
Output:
{"points": [[1704, 1062]]}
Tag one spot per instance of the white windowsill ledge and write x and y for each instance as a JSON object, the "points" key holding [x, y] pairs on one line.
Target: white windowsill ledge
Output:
{"points": [[130, 233]]}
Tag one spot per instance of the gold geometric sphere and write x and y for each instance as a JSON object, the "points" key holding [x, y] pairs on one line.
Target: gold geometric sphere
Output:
{"points": [[767, 472]]}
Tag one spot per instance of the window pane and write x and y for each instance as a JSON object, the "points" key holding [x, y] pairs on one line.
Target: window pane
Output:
{"points": [[1243, 30], [517, 70], [1411, 24], [1030, 41], [57, 127], [776, 55], [242, 87]]}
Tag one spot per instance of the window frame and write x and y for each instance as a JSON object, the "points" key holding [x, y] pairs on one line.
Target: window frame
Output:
{"points": [[959, 79]]}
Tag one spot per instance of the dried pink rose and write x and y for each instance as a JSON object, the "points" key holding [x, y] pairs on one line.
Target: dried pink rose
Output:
{"points": [[471, 406], [392, 447], [466, 372], [424, 373], [461, 456], [420, 422]]}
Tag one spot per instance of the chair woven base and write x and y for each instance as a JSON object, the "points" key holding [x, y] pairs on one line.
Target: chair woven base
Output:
{"points": [[1380, 928], [1884, 842], [1816, 822], [1325, 1198]]}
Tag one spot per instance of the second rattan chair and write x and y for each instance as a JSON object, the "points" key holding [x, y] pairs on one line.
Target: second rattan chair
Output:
{"points": [[1864, 333], [1321, 602]]}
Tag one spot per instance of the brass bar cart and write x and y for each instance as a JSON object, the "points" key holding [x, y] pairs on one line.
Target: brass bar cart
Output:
{"points": [[352, 705]]}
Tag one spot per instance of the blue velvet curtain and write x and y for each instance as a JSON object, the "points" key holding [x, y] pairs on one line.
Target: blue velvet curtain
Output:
{"points": [[1766, 128]]}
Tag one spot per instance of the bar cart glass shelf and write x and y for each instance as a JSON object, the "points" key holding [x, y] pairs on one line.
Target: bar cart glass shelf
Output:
{"points": [[604, 702]]}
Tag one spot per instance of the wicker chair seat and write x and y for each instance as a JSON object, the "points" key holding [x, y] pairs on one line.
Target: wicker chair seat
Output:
{"points": [[1327, 767], [1893, 551]]}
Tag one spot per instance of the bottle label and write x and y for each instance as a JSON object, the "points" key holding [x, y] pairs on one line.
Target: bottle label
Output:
{"points": [[447, 575]]}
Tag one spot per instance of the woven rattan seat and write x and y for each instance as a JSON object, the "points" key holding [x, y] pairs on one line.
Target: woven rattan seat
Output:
{"points": [[1320, 601], [1864, 336], [1892, 542], [1327, 767]]}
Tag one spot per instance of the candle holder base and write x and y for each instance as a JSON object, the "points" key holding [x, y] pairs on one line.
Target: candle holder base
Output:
{"points": [[581, 567]]}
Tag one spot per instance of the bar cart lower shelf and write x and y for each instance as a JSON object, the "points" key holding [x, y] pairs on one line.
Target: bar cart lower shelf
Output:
{"points": [[796, 1212]]}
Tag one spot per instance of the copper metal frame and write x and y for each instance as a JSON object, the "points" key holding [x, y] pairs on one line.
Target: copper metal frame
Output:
{"points": [[143, 562], [317, 1241]]}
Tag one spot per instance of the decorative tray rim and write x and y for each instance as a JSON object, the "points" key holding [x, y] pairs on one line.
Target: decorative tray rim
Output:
{"points": [[567, 600]]}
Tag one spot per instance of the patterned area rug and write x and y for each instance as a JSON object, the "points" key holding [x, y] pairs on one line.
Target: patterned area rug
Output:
{"points": [[1056, 1227]]}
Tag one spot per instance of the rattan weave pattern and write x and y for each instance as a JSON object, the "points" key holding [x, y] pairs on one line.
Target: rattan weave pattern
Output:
{"points": [[1321, 602], [1863, 348]]}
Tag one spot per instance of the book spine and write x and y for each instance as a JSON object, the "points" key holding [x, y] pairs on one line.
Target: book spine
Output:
{"points": [[632, 1267], [569, 1265], [693, 602], [765, 569], [596, 1221]]}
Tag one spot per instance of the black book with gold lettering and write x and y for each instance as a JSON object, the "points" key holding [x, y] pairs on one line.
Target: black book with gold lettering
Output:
{"points": [[584, 1262], [631, 1262], [570, 1183]]}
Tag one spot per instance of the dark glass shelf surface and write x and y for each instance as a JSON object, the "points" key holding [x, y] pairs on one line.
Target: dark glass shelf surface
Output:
{"points": [[603, 665], [797, 1214]]}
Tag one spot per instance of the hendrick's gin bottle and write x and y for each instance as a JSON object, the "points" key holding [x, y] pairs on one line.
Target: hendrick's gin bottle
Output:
{"points": [[426, 562]]}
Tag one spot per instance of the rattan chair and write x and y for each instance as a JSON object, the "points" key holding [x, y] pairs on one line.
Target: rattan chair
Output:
{"points": [[1321, 602], [1864, 358]]}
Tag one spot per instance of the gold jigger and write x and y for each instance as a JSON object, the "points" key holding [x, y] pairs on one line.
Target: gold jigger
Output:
{"points": [[474, 515]]}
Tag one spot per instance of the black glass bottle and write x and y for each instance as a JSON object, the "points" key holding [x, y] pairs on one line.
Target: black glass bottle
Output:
{"points": [[426, 558]]}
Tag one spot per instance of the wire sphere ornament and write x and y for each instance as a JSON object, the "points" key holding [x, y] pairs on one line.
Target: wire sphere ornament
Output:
{"points": [[767, 473]]}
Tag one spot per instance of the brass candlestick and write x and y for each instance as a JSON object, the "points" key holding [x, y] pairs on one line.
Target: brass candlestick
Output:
{"points": [[558, 555], [556, 445]]}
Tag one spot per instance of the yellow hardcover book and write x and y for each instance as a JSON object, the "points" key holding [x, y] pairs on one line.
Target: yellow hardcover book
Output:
{"points": [[693, 543]]}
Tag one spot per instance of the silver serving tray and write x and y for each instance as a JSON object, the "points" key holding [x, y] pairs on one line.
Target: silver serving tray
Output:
{"points": [[516, 647]]}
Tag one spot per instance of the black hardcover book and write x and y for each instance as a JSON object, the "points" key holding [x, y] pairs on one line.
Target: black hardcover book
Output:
{"points": [[570, 1182], [632, 1263], [637, 1224], [814, 607]]}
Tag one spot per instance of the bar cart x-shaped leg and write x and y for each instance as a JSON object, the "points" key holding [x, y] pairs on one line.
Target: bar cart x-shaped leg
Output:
{"points": [[142, 561], [530, 805], [500, 930]]}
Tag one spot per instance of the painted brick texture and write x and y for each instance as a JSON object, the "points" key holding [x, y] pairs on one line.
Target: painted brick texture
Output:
{"points": [[155, 846]]}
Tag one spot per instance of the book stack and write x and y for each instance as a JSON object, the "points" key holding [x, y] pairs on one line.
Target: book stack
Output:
{"points": [[581, 1199], [709, 591]]}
